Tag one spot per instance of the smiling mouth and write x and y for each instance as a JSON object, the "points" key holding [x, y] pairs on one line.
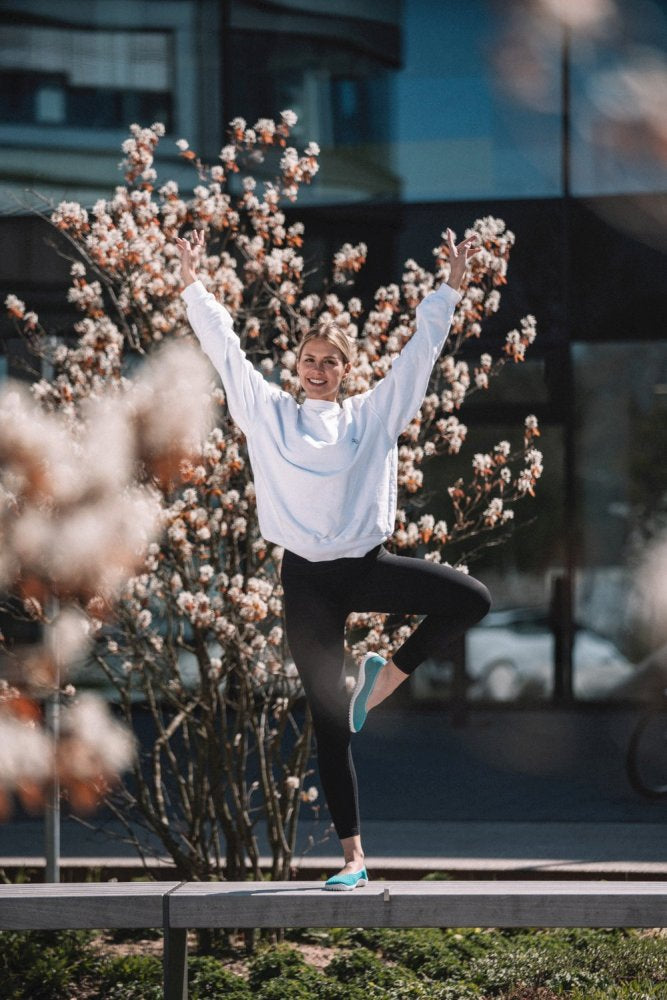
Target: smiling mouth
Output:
{"points": [[318, 382]]}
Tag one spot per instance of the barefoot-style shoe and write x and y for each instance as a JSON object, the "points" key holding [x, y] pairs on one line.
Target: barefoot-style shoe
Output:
{"points": [[370, 667], [345, 883]]}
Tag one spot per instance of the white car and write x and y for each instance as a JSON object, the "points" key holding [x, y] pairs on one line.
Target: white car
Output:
{"points": [[510, 656]]}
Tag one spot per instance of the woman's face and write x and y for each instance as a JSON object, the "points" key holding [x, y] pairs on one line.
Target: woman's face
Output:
{"points": [[321, 369]]}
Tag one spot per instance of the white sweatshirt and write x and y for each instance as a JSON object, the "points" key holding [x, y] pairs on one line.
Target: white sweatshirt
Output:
{"points": [[325, 473]]}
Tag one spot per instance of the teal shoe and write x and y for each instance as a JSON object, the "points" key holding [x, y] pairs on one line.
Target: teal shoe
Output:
{"points": [[370, 667], [345, 883]]}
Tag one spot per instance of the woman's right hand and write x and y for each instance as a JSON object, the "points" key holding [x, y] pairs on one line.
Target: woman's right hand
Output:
{"points": [[191, 251]]}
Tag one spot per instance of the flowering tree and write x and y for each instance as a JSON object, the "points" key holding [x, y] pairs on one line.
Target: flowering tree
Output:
{"points": [[199, 629]]}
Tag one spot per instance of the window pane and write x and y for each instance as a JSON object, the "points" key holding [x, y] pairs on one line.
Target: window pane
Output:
{"points": [[92, 79], [459, 132], [621, 427], [114, 59]]}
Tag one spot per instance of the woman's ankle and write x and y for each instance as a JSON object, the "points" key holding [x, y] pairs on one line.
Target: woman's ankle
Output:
{"points": [[355, 859], [353, 852]]}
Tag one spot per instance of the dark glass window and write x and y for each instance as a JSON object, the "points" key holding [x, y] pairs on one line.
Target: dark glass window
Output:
{"points": [[41, 99], [339, 94]]}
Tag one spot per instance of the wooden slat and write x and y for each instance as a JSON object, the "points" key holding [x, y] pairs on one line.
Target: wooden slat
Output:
{"points": [[53, 906], [421, 904]]}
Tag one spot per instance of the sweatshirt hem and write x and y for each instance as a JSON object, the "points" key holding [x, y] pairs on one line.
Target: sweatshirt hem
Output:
{"points": [[323, 554]]}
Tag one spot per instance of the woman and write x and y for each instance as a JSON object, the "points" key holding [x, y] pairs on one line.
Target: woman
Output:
{"points": [[326, 482]]}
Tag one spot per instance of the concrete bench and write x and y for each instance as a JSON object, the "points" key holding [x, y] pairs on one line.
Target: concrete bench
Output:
{"points": [[179, 906]]}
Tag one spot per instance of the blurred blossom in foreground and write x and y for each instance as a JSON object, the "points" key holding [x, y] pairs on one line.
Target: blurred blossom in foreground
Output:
{"points": [[74, 525], [618, 81], [631, 100], [591, 17]]}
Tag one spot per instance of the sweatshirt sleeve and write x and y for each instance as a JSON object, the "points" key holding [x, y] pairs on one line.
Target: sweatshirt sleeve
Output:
{"points": [[245, 387], [397, 398]]}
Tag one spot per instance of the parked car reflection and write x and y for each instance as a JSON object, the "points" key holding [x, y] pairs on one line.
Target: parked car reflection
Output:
{"points": [[510, 656]]}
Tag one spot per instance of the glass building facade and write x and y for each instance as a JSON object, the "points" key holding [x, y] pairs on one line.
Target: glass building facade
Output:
{"points": [[428, 114]]}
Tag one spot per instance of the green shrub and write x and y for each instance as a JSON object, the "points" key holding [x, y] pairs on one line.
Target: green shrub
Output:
{"points": [[530, 993], [636, 990], [533, 960], [421, 950], [519, 963], [303, 988], [131, 977], [625, 955], [208, 980], [281, 962], [426, 964], [362, 968], [566, 961], [331, 989], [43, 965], [359, 966], [458, 990]]}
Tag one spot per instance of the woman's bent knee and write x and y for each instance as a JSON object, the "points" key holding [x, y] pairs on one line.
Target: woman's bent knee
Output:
{"points": [[480, 603]]}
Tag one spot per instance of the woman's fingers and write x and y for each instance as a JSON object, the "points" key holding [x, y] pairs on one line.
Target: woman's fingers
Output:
{"points": [[467, 243], [464, 246], [195, 240]]}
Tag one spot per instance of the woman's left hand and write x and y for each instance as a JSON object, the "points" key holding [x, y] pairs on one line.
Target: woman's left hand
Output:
{"points": [[459, 255]]}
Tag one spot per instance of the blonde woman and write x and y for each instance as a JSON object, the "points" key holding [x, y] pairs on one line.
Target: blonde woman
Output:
{"points": [[325, 474]]}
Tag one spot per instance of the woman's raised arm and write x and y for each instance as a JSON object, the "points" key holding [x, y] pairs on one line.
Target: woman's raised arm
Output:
{"points": [[246, 389], [397, 398]]}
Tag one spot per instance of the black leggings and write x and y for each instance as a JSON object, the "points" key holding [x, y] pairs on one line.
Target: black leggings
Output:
{"points": [[318, 598]]}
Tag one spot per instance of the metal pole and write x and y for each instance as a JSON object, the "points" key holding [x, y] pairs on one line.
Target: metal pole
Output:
{"points": [[52, 804], [52, 720], [563, 688]]}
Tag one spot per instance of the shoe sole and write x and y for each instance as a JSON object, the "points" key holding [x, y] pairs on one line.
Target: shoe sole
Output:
{"points": [[339, 887], [361, 680]]}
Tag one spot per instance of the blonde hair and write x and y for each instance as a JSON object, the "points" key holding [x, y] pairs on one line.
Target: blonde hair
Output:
{"points": [[334, 336]]}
